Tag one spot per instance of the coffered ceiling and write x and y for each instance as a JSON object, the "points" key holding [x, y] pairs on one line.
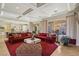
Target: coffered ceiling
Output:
{"points": [[30, 12]]}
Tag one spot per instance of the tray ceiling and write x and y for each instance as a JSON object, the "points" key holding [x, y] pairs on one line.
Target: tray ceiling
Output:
{"points": [[33, 11]]}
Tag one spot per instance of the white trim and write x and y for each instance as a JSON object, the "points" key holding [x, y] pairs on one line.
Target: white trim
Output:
{"points": [[3, 5], [77, 44]]}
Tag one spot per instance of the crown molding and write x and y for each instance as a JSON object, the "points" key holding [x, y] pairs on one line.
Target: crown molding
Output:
{"points": [[12, 21]]}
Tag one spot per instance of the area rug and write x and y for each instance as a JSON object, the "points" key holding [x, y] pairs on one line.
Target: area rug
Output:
{"points": [[47, 48]]}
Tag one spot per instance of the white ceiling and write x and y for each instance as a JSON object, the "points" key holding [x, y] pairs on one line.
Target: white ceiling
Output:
{"points": [[14, 11]]}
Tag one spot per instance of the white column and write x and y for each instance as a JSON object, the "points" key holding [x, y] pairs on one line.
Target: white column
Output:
{"points": [[77, 37], [30, 26], [43, 26], [77, 33], [71, 26]]}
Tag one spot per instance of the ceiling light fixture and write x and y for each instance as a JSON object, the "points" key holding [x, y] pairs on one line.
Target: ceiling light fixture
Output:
{"points": [[17, 7], [68, 6], [2, 13], [56, 10]]}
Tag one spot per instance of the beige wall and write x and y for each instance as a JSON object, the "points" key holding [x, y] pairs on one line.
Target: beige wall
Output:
{"points": [[31, 26], [56, 22], [7, 27], [51, 24], [43, 26]]}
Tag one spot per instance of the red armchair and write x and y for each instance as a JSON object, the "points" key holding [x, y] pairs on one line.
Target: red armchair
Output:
{"points": [[72, 41]]}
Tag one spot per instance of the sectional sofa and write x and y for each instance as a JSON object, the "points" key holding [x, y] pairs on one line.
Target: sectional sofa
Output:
{"points": [[18, 37], [46, 37]]}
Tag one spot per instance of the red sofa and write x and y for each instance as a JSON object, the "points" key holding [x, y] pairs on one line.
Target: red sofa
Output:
{"points": [[18, 37], [42, 36], [45, 37]]}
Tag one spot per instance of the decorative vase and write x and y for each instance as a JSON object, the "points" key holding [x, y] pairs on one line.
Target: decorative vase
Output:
{"points": [[32, 37]]}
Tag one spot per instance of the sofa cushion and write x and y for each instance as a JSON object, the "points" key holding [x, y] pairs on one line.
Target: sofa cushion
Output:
{"points": [[18, 37], [42, 34], [23, 34], [51, 39], [15, 35]]}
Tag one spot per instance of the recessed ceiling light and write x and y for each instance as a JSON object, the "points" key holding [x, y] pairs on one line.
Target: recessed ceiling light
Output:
{"points": [[17, 7], [56, 10]]}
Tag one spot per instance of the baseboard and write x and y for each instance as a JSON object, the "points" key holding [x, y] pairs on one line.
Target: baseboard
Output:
{"points": [[77, 44]]}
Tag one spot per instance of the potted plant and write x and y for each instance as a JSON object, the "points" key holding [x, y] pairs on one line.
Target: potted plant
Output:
{"points": [[65, 40]]}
